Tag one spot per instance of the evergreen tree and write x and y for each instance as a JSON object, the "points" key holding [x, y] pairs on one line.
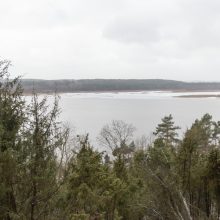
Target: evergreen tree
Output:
{"points": [[11, 121], [44, 140], [192, 161], [167, 131], [93, 189]]}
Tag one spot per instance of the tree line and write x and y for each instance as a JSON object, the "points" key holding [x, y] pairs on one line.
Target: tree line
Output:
{"points": [[104, 85], [47, 175]]}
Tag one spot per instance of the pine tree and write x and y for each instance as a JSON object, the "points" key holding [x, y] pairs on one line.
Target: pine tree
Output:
{"points": [[167, 131]]}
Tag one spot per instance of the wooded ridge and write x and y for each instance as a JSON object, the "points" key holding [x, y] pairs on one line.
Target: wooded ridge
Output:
{"points": [[104, 85]]}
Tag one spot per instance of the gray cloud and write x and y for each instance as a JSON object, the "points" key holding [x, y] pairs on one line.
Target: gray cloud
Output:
{"points": [[112, 39], [133, 31]]}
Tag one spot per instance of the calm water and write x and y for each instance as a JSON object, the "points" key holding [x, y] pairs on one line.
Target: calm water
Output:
{"points": [[88, 112]]}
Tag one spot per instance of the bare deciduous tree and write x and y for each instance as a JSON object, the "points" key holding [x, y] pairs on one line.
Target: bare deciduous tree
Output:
{"points": [[116, 134], [143, 142]]}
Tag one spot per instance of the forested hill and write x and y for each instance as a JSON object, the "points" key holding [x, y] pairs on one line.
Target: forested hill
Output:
{"points": [[96, 85]]}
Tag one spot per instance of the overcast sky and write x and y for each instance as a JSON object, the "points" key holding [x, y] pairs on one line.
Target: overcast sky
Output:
{"points": [[55, 39]]}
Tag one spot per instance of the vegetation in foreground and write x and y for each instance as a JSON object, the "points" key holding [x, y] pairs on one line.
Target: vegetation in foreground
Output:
{"points": [[170, 178]]}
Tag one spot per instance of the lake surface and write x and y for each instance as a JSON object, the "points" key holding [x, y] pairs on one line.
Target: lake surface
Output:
{"points": [[88, 112]]}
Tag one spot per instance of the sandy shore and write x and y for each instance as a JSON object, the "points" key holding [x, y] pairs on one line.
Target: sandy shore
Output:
{"points": [[199, 96]]}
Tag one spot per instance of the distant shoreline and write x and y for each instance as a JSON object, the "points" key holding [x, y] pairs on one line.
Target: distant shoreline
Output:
{"points": [[115, 85]]}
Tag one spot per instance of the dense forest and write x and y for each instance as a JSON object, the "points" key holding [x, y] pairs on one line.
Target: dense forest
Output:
{"points": [[46, 173], [102, 85]]}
